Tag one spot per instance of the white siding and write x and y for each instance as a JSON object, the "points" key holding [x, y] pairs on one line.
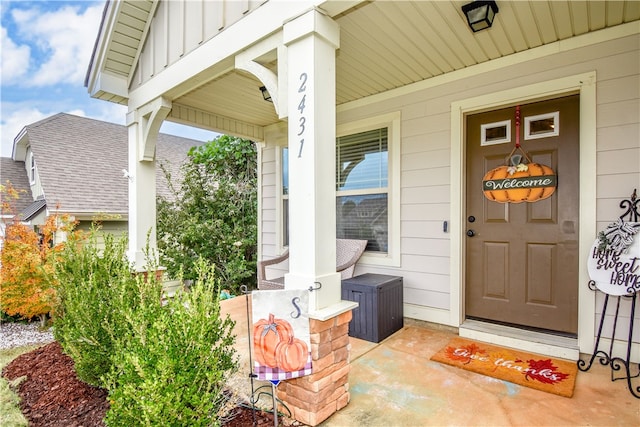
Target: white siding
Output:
{"points": [[426, 149], [169, 38], [425, 165], [116, 228]]}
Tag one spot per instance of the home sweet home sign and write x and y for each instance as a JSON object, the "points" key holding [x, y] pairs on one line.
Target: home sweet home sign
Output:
{"points": [[614, 261]]}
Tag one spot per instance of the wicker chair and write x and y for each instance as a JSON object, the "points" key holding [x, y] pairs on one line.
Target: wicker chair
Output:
{"points": [[348, 252]]}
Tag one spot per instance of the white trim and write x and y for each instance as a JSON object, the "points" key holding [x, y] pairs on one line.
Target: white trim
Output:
{"points": [[275, 136], [392, 121], [550, 345], [556, 125], [259, 148], [32, 168], [427, 314], [194, 70], [280, 245], [585, 85], [483, 133]]}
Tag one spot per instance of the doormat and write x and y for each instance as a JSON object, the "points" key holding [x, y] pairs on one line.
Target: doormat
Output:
{"points": [[543, 373]]}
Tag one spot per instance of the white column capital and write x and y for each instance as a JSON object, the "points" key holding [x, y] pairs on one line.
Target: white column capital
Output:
{"points": [[313, 21]]}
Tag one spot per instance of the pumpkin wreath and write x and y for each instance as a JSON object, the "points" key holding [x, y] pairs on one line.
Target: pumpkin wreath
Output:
{"points": [[519, 182]]}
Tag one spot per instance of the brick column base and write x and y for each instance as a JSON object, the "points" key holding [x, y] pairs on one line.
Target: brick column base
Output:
{"points": [[314, 398]]}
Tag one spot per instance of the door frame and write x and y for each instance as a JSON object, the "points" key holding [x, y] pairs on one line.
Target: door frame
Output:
{"points": [[585, 86]]}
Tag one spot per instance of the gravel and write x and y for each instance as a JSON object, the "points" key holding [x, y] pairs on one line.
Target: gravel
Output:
{"points": [[20, 334]]}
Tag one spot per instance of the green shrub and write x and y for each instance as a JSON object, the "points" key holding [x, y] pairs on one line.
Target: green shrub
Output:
{"points": [[212, 213], [95, 286], [173, 361]]}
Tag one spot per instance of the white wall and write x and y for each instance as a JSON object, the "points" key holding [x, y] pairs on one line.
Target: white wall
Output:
{"points": [[426, 149]]}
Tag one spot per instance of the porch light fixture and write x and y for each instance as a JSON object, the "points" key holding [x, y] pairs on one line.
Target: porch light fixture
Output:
{"points": [[480, 14], [265, 94]]}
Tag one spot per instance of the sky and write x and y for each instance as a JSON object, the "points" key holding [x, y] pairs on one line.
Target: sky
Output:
{"points": [[45, 49]]}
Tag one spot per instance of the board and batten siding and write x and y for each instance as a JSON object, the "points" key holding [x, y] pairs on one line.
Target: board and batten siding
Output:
{"points": [[169, 38], [425, 145]]}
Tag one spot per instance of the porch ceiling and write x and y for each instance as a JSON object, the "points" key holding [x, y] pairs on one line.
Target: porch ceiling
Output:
{"points": [[390, 44]]}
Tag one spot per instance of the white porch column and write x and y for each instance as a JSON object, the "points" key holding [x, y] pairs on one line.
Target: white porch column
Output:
{"points": [[144, 125], [312, 40]]}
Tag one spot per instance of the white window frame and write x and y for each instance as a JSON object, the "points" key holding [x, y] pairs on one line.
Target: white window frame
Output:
{"points": [[556, 125], [392, 122], [32, 168], [483, 133], [280, 197]]}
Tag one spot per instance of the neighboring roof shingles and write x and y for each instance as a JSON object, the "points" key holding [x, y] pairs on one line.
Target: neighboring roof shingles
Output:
{"points": [[16, 173], [33, 209], [80, 162]]}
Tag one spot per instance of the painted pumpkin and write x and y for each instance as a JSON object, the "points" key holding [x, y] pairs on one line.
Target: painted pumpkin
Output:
{"points": [[519, 183], [292, 355], [267, 333]]}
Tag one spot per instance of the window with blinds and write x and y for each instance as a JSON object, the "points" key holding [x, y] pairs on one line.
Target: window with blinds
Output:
{"points": [[362, 181], [362, 188], [361, 160]]}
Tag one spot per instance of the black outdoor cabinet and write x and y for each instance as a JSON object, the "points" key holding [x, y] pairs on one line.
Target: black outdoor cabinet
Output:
{"points": [[379, 313]]}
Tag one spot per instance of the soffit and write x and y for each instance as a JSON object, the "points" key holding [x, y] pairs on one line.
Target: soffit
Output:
{"points": [[127, 36], [389, 44]]}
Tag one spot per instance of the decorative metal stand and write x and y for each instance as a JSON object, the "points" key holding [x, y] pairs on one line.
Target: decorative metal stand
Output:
{"points": [[606, 358], [252, 376]]}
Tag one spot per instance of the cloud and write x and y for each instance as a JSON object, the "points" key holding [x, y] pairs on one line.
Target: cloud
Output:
{"points": [[62, 41], [46, 48], [15, 62], [12, 124], [110, 112], [15, 116]]}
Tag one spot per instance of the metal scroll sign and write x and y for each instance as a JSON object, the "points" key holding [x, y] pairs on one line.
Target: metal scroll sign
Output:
{"points": [[614, 261], [520, 180]]}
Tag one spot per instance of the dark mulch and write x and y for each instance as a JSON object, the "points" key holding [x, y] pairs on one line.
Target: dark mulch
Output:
{"points": [[51, 395]]}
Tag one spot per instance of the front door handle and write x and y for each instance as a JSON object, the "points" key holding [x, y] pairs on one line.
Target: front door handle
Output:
{"points": [[471, 233]]}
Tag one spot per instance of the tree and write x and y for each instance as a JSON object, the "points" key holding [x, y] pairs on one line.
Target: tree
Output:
{"points": [[27, 277], [213, 213]]}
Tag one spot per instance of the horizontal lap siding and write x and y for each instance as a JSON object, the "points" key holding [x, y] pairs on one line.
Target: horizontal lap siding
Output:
{"points": [[425, 153], [618, 133], [622, 325]]}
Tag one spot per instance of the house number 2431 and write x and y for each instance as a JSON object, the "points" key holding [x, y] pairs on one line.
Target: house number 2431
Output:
{"points": [[302, 89]]}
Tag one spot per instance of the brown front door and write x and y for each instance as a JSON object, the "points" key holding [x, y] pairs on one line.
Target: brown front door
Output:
{"points": [[522, 258]]}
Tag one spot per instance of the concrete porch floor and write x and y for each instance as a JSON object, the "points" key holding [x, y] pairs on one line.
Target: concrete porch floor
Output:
{"points": [[394, 383]]}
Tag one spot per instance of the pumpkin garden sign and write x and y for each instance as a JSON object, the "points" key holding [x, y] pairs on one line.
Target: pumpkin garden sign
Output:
{"points": [[280, 334]]}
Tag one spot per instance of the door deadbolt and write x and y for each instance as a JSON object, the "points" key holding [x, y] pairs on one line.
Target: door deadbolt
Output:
{"points": [[472, 218]]}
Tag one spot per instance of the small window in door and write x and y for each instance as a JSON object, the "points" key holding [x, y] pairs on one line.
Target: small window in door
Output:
{"points": [[495, 133], [542, 126]]}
